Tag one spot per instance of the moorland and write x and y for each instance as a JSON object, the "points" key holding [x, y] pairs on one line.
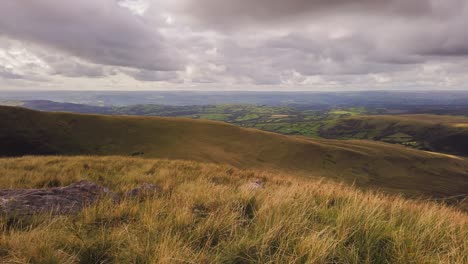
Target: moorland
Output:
{"points": [[237, 183]]}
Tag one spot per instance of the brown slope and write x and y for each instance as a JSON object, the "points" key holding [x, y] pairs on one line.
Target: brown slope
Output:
{"points": [[390, 167], [448, 134]]}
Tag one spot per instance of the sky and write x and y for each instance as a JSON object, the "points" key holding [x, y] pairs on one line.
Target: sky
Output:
{"points": [[281, 45]]}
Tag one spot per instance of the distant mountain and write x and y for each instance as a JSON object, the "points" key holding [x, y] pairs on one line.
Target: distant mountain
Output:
{"points": [[323, 99]]}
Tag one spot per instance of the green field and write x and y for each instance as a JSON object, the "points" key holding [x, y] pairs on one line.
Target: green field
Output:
{"points": [[287, 120], [283, 120]]}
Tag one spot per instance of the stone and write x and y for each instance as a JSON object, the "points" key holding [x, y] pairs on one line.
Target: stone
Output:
{"points": [[60, 200], [257, 184], [145, 190]]}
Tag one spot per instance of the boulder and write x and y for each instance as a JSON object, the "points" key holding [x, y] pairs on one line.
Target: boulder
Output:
{"points": [[60, 200]]}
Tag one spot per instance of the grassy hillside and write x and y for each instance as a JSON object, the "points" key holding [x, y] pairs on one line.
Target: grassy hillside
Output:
{"points": [[364, 163], [448, 134], [208, 214]]}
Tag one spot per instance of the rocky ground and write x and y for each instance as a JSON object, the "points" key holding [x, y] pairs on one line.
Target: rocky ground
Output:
{"points": [[62, 200]]}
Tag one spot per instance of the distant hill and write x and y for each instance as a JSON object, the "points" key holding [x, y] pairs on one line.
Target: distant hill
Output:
{"points": [[341, 98], [45, 105], [448, 134], [365, 163]]}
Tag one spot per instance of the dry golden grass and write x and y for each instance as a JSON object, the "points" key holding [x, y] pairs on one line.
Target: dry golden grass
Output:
{"points": [[208, 214]]}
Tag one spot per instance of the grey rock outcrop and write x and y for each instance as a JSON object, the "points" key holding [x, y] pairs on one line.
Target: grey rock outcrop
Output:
{"points": [[61, 200]]}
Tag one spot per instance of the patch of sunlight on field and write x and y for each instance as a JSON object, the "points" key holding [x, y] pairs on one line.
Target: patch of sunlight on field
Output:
{"points": [[279, 116], [461, 125], [446, 155]]}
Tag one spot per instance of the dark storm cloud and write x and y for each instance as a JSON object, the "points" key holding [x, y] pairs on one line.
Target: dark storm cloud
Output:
{"points": [[101, 32]]}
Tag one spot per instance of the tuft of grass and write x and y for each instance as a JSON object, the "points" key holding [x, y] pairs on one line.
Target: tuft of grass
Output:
{"points": [[210, 214]]}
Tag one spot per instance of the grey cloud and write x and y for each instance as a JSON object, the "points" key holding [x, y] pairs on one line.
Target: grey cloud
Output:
{"points": [[101, 32], [308, 56], [8, 74], [382, 32], [240, 12], [449, 40], [341, 43], [75, 70], [69, 66], [383, 48], [152, 76], [30, 59]]}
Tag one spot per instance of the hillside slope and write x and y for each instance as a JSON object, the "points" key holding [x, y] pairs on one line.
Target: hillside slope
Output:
{"points": [[365, 163], [207, 213], [448, 134]]}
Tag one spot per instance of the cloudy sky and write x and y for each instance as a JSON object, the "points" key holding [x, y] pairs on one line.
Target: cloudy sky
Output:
{"points": [[234, 45]]}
